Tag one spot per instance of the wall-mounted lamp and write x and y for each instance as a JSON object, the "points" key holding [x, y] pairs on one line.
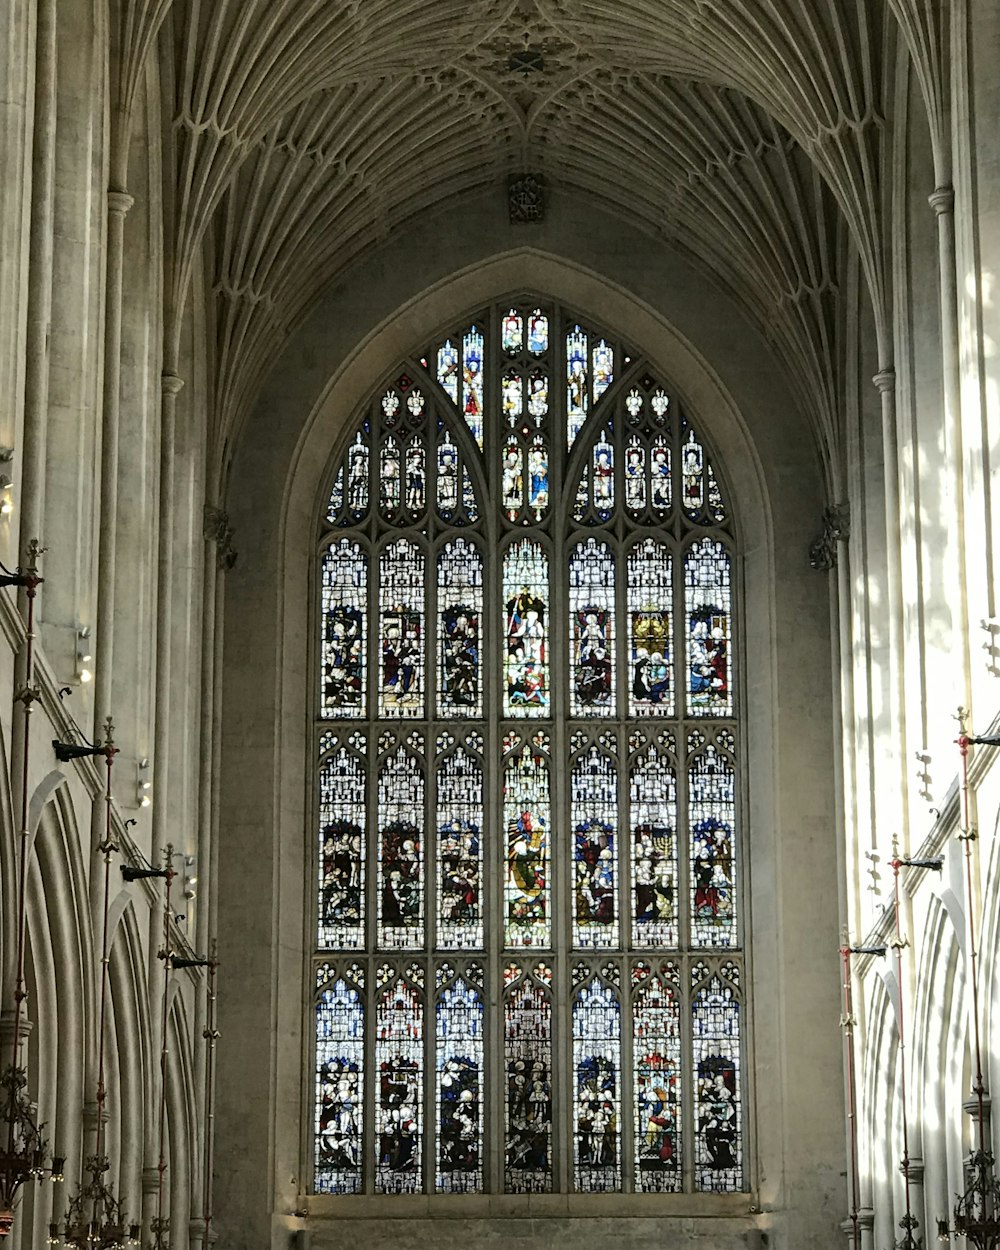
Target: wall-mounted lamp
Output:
{"points": [[144, 784], [83, 653]]}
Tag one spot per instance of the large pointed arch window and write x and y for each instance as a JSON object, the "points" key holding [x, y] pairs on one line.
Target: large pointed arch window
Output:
{"points": [[528, 967]]}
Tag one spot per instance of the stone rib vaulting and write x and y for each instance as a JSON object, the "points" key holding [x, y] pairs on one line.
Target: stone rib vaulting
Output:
{"points": [[228, 230]]}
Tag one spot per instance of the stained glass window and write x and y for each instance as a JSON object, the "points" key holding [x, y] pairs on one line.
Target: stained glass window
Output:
{"points": [[528, 973]]}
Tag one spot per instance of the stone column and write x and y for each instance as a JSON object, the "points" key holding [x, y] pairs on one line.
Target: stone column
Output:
{"points": [[119, 202], [885, 382], [942, 201]]}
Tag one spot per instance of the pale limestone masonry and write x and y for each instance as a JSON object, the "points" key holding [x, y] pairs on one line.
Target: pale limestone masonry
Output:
{"points": [[222, 222]]}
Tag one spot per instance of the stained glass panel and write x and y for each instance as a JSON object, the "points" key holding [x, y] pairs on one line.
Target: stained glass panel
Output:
{"points": [[473, 404], [401, 670], [711, 813], [525, 593], [460, 615], [597, 1092], [577, 389], [603, 368], [527, 919], [459, 1062], [413, 779], [650, 627], [339, 1087], [653, 817], [399, 1059], [528, 1095], [447, 369], [512, 332], [594, 817], [538, 332], [708, 604], [342, 785], [656, 1056], [344, 606], [460, 856], [592, 639], [718, 1117], [401, 852]]}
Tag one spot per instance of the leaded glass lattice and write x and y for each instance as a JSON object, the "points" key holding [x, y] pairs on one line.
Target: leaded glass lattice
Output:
{"points": [[528, 971]]}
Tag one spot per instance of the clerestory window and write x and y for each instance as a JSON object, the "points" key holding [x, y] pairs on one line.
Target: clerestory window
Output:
{"points": [[528, 969]]}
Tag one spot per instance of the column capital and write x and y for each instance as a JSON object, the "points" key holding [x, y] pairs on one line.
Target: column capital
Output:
{"points": [[170, 383], [150, 1180], [942, 200], [885, 380], [92, 1115], [119, 202]]}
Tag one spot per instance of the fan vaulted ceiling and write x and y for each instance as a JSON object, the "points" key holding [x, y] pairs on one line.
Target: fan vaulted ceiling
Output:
{"points": [[749, 132]]}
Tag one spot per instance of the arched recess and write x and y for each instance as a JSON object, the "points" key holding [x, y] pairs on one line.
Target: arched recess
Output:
{"points": [[182, 1144], [275, 485]]}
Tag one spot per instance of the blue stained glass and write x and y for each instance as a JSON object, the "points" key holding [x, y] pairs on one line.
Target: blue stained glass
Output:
{"points": [[447, 369], [594, 817], [653, 816], [538, 477], [592, 642], [538, 332], [708, 603], [401, 678], [525, 589], [460, 1089], [342, 785], [339, 1089], [712, 813], [718, 1112], [401, 853], [399, 1058], [577, 392], [528, 1100], [344, 600], [460, 607], [460, 854], [597, 1068], [472, 383], [656, 1053], [512, 332]]}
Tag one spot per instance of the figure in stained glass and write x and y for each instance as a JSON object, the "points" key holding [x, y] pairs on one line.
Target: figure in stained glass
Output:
{"points": [[447, 478], [594, 817], [596, 1062], [400, 870], [459, 1088], [511, 397], [650, 623], [660, 486], [459, 848], [458, 844], [538, 332], [472, 383], [339, 1084], [718, 1122], [711, 866], [657, 1084], [653, 882], [603, 368], [340, 898], [604, 477], [528, 1110], [526, 889], [512, 332], [339, 1132], [401, 647], [591, 589], [576, 383], [357, 476], [595, 873], [693, 467], [635, 477], [525, 584], [512, 479], [399, 1095], [343, 657], [447, 369], [415, 486], [593, 673], [538, 394], [460, 656], [538, 478]]}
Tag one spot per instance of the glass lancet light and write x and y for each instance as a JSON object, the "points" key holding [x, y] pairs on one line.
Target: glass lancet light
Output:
{"points": [[527, 837]]}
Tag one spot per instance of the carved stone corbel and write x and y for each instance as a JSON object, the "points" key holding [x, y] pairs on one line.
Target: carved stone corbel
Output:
{"points": [[836, 529], [216, 529]]}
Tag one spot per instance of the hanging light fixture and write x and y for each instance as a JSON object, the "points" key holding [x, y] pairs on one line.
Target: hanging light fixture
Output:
{"points": [[95, 1218], [977, 1209], [23, 1149]]}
